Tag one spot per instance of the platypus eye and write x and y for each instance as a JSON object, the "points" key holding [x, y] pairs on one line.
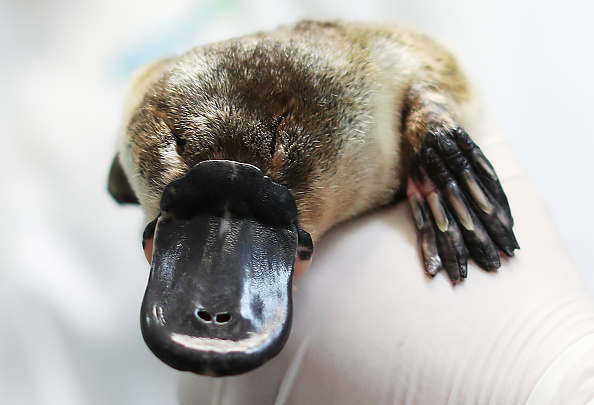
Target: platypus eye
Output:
{"points": [[181, 144], [275, 129], [180, 139], [275, 135]]}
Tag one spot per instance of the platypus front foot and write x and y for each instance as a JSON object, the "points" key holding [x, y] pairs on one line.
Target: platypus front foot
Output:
{"points": [[458, 205]]}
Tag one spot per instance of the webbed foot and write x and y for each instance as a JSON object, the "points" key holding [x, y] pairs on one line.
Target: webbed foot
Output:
{"points": [[459, 207]]}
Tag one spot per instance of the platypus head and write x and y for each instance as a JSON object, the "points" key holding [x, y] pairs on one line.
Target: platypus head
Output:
{"points": [[215, 152]]}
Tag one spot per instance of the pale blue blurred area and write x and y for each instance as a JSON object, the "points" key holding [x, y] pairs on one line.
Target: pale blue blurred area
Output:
{"points": [[72, 270]]}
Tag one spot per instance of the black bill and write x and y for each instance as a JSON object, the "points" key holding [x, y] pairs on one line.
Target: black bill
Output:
{"points": [[218, 300]]}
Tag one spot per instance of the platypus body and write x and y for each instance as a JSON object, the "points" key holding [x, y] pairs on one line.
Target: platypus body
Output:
{"points": [[245, 152]]}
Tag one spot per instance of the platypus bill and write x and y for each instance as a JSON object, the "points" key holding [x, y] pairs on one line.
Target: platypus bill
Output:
{"points": [[245, 152]]}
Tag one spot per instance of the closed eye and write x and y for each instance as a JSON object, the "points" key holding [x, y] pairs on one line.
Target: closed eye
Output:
{"points": [[180, 140], [175, 130], [181, 143], [277, 124]]}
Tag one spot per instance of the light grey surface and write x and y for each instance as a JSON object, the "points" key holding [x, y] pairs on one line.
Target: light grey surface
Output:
{"points": [[73, 273]]}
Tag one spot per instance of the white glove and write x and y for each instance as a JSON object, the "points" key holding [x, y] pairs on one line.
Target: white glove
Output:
{"points": [[371, 328]]}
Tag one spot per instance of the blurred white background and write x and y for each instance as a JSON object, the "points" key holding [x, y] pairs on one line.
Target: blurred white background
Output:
{"points": [[72, 270]]}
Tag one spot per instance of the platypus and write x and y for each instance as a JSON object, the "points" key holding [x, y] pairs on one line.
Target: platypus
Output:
{"points": [[244, 153]]}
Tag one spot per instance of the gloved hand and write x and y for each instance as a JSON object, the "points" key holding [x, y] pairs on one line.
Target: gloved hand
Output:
{"points": [[371, 328]]}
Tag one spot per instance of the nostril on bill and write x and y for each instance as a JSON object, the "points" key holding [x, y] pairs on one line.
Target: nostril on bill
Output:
{"points": [[207, 317], [204, 315], [223, 317]]}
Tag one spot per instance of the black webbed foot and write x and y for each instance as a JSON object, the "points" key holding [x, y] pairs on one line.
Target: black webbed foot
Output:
{"points": [[458, 205]]}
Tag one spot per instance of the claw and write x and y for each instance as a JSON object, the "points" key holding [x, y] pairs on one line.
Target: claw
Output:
{"points": [[484, 164], [477, 192], [427, 239], [453, 252], [417, 211], [430, 251], [438, 210], [455, 198]]}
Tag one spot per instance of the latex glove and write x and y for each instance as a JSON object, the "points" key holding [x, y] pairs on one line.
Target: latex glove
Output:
{"points": [[371, 328]]}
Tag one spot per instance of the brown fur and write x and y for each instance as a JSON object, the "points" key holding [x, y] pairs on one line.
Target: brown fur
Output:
{"points": [[333, 111]]}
